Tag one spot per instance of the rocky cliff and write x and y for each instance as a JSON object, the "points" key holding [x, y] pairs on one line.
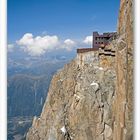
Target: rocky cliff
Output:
{"points": [[123, 106], [91, 98]]}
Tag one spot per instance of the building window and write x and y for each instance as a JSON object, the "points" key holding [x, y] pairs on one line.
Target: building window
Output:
{"points": [[102, 42], [96, 38]]}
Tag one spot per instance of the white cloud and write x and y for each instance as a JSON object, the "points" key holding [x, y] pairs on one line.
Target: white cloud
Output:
{"points": [[88, 40], [37, 46], [10, 47], [69, 44]]}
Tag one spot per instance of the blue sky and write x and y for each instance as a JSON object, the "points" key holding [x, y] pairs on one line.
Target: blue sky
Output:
{"points": [[73, 19], [39, 27]]}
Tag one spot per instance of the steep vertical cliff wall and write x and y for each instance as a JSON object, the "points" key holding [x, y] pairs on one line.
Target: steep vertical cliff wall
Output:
{"points": [[92, 99], [123, 106]]}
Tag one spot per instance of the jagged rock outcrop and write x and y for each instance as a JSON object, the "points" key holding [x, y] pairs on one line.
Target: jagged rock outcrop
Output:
{"points": [[91, 98], [79, 101]]}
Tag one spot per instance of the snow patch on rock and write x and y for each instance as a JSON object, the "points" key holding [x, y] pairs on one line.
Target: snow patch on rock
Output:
{"points": [[63, 129], [96, 85], [100, 68]]}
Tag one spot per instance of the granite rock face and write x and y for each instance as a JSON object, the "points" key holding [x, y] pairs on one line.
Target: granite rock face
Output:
{"points": [[123, 107], [79, 105], [91, 98]]}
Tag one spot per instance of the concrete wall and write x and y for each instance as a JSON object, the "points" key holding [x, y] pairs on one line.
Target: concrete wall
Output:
{"points": [[87, 58]]}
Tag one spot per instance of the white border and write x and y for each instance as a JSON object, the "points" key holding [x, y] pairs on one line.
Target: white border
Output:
{"points": [[3, 70], [137, 71]]}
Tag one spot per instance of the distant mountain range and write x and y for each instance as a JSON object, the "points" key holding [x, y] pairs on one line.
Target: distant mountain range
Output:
{"points": [[28, 83], [29, 78]]}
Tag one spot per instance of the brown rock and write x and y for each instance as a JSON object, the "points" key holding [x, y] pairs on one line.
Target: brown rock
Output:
{"points": [[92, 98]]}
